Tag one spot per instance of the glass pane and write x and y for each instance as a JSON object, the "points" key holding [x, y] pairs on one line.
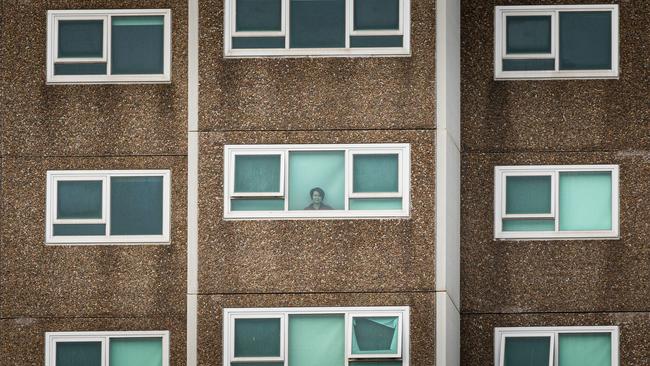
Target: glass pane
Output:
{"points": [[80, 69], [527, 351], [257, 204], [317, 23], [375, 173], [529, 65], [316, 340], [257, 173], [589, 349], [79, 199], [137, 45], [79, 354], [376, 14], [136, 205], [259, 15], [529, 225], [81, 38], [374, 335], [528, 194], [78, 229], [376, 204], [317, 180], [585, 40], [257, 42], [135, 352], [586, 201], [376, 41], [257, 337], [528, 34], [376, 363], [257, 364]]}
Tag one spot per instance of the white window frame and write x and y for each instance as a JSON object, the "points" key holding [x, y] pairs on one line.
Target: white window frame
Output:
{"points": [[347, 51], [53, 18], [500, 335], [230, 314], [350, 325], [502, 172], [500, 14], [283, 329], [231, 177], [400, 178], [52, 338], [230, 151], [53, 176]]}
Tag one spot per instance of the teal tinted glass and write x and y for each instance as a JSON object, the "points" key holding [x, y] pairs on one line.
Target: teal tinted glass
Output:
{"points": [[257, 364], [375, 363], [585, 40], [376, 41], [376, 14], [136, 352], [528, 65], [585, 201], [316, 340], [78, 354], [317, 169], [528, 194], [585, 349], [258, 15], [79, 199], [257, 42], [257, 337], [527, 351], [375, 335], [136, 205], [81, 38], [317, 23], [257, 204], [528, 225], [375, 173], [78, 229], [137, 45], [257, 173], [528, 34], [80, 69], [376, 204]]}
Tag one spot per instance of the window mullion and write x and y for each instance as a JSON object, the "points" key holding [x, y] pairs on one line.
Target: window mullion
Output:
{"points": [[287, 20], [555, 31], [556, 199], [108, 205]]}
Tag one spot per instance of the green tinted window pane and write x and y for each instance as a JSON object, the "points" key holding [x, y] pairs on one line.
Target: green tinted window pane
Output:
{"points": [[78, 229], [528, 65], [586, 201], [376, 14], [79, 199], [81, 38], [136, 352], [376, 204], [78, 354], [257, 204], [376, 41], [137, 45], [529, 225], [585, 349], [257, 173], [257, 337], [527, 351], [375, 173], [528, 194], [259, 15], [257, 42], [374, 335], [316, 340], [376, 363], [317, 169], [80, 69], [585, 40], [257, 364], [528, 34], [136, 205], [317, 23]]}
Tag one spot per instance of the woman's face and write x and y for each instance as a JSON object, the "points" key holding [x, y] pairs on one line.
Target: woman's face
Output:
{"points": [[316, 197]]}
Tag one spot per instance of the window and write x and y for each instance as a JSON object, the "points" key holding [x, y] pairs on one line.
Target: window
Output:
{"points": [[146, 348], [105, 46], [301, 181], [556, 42], [556, 201], [316, 27], [317, 336], [93, 206], [556, 346]]}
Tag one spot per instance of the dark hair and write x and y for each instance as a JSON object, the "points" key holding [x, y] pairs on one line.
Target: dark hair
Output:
{"points": [[317, 189]]}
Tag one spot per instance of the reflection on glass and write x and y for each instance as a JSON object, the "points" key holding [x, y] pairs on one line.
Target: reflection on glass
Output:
{"points": [[317, 197], [316, 179]]}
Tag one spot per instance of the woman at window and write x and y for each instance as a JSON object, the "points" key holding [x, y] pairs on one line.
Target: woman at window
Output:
{"points": [[317, 196]]}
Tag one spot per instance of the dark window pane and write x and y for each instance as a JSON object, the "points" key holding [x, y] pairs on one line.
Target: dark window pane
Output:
{"points": [[78, 354], [81, 38], [375, 335], [136, 205], [257, 337], [376, 363], [259, 15], [137, 45], [585, 40], [376, 41], [528, 194], [258, 42], [317, 23], [375, 173], [528, 65], [257, 173], [527, 351], [79, 199], [79, 229], [528, 34], [80, 69], [376, 14]]}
